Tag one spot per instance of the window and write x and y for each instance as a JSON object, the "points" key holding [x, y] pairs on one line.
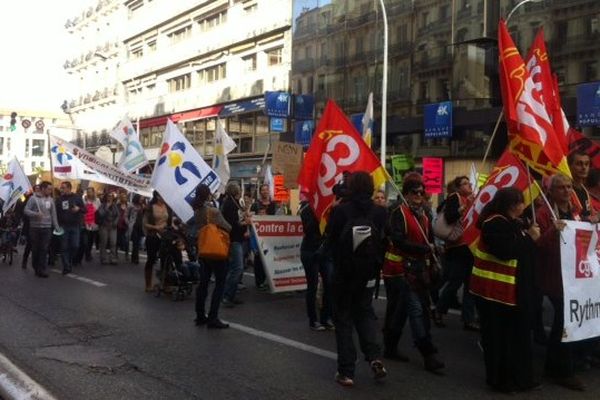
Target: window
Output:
{"points": [[424, 90], [26, 148], [212, 74], [249, 62], [250, 8], [591, 71], [594, 25], [275, 56], [136, 53], [180, 34], [151, 45], [37, 147], [134, 6], [212, 21], [179, 83], [1, 145]]}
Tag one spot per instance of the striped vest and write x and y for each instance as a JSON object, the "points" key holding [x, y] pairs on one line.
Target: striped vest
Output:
{"points": [[493, 279]]}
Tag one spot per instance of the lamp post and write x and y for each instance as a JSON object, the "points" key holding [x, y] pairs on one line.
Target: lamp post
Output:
{"points": [[384, 86], [510, 14]]}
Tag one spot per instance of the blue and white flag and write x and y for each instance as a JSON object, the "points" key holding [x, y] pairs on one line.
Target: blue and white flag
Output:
{"points": [[13, 185], [367, 122], [269, 180], [133, 156], [178, 170], [223, 146]]}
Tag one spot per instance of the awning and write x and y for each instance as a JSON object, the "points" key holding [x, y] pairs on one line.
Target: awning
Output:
{"points": [[242, 107], [193, 115]]}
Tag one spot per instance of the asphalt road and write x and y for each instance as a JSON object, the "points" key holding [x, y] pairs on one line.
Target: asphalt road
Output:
{"points": [[97, 335]]}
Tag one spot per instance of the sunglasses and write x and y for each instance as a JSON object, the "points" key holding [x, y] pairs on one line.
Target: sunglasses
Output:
{"points": [[418, 192]]}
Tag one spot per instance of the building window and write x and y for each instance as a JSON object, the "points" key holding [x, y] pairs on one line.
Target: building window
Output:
{"points": [[180, 34], [37, 147], [594, 26], [1, 145], [424, 91], [275, 56], [136, 53], [250, 8], [151, 45], [591, 71], [134, 6], [212, 74], [26, 148], [179, 83], [249, 62], [212, 21]]}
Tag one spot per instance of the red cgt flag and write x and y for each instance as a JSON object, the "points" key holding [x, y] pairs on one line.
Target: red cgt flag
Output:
{"points": [[531, 133], [508, 172], [538, 66], [335, 148]]}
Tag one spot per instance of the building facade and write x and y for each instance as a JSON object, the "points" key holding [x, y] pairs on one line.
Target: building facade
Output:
{"points": [[27, 139], [193, 62], [438, 50]]}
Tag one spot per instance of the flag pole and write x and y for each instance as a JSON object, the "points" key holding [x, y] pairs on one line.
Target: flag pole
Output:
{"points": [[489, 147], [50, 157], [531, 195]]}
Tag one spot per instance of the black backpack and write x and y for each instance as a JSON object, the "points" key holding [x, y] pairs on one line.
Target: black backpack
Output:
{"points": [[359, 263]]}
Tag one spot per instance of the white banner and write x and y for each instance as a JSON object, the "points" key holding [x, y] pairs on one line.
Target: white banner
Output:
{"points": [[65, 166], [178, 170], [133, 156], [279, 239], [579, 253], [14, 184]]}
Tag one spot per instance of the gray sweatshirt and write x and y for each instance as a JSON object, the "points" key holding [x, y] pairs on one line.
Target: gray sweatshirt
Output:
{"points": [[41, 212]]}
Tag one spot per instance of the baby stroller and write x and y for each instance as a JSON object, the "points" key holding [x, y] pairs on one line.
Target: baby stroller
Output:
{"points": [[174, 276], [8, 243]]}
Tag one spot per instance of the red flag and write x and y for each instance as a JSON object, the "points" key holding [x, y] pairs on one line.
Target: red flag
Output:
{"points": [[508, 172], [336, 147], [531, 133], [538, 66]]}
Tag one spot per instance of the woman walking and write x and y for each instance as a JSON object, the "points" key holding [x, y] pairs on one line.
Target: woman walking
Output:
{"points": [[107, 218], [157, 218]]}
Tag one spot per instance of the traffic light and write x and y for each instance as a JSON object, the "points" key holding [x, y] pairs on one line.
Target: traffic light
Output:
{"points": [[13, 121]]}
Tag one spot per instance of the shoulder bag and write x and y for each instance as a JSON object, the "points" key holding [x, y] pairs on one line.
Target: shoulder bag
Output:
{"points": [[213, 242]]}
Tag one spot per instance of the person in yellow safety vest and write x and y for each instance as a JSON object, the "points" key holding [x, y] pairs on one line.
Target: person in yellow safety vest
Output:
{"points": [[405, 275], [502, 281]]}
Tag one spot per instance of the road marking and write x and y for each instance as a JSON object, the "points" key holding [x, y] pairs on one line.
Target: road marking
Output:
{"points": [[16, 384], [285, 341], [80, 278]]}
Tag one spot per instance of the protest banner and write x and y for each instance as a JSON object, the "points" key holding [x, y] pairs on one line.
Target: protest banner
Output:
{"points": [[433, 174], [581, 279], [279, 239], [287, 160]]}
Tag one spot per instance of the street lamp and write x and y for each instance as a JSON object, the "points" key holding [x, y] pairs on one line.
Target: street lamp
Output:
{"points": [[384, 86], [519, 5]]}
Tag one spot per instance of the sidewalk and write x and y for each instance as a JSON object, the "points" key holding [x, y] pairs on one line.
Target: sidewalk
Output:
{"points": [[16, 384]]}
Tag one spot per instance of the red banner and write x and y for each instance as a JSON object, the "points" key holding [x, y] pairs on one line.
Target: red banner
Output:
{"points": [[508, 172], [336, 147], [433, 174]]}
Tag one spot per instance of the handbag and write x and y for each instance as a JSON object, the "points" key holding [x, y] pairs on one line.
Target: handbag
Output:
{"points": [[212, 242], [443, 230]]}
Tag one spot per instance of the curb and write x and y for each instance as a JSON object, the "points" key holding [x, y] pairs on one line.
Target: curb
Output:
{"points": [[17, 385]]}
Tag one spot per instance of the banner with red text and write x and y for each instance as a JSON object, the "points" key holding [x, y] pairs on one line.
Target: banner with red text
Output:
{"points": [[279, 239], [581, 279]]}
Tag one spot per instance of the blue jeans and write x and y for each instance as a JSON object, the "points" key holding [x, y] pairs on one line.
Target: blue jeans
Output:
{"points": [[235, 270], [404, 303], [315, 265], [69, 246]]}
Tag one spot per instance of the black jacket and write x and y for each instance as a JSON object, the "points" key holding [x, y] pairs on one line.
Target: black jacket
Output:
{"points": [[66, 217], [312, 238], [230, 211]]}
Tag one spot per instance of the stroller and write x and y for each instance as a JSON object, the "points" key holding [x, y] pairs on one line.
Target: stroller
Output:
{"points": [[9, 238], [174, 276]]}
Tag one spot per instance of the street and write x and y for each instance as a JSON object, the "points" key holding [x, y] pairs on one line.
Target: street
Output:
{"points": [[97, 335]]}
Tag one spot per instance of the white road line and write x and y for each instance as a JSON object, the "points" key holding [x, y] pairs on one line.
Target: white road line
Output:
{"points": [[285, 341], [80, 278]]}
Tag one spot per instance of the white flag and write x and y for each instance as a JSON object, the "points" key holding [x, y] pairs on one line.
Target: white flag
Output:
{"points": [[178, 170], [269, 180], [223, 146], [133, 156], [14, 184], [473, 177], [367, 122]]}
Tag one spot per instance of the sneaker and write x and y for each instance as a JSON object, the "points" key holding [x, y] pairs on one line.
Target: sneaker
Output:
{"points": [[471, 326], [379, 371], [328, 326], [315, 326], [263, 287], [217, 324], [343, 380]]}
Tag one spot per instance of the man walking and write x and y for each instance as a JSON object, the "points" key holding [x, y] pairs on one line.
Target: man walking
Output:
{"points": [[70, 210], [41, 211]]}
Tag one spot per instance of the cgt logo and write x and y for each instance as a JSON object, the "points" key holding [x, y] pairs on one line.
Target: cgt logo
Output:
{"points": [[583, 267]]}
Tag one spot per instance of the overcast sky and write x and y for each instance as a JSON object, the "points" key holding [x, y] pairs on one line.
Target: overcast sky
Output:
{"points": [[33, 49]]}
